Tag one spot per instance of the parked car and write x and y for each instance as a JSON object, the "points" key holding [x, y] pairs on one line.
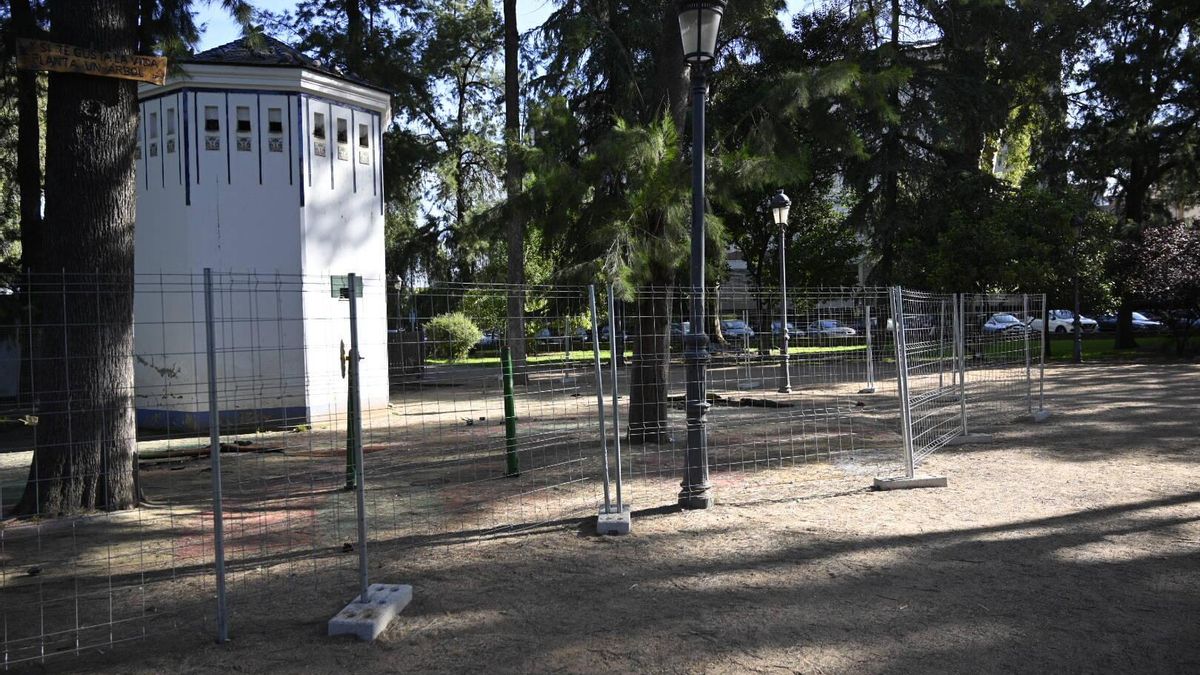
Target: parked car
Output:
{"points": [[1004, 323], [604, 334], [829, 328], [736, 329], [793, 331], [1141, 323], [491, 338], [1063, 321], [860, 324]]}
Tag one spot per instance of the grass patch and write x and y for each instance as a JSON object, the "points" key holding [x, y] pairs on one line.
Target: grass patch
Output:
{"points": [[491, 357], [1103, 347]]}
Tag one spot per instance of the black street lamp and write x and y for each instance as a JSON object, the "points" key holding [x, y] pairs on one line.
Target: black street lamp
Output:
{"points": [[698, 24], [780, 204]]}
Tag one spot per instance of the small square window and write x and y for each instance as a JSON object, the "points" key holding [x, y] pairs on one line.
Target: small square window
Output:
{"points": [[318, 125], [170, 121], [153, 125], [343, 134], [274, 120], [243, 119], [211, 121], [364, 136]]}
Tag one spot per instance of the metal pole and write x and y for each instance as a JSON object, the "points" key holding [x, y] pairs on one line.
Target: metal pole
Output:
{"points": [[352, 282], [351, 415], [616, 408], [960, 345], [214, 453], [941, 357], [696, 490], [599, 390], [870, 352], [902, 380], [786, 387], [1028, 372], [1042, 360]]}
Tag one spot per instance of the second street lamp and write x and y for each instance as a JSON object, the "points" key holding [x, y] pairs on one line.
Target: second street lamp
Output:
{"points": [[698, 24], [780, 205]]}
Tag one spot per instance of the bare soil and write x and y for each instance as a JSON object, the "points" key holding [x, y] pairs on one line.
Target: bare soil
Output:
{"points": [[1068, 546]]}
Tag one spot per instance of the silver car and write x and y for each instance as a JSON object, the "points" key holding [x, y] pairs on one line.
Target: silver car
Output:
{"points": [[830, 328]]}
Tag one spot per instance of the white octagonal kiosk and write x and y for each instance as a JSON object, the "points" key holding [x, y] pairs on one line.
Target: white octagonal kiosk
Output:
{"points": [[265, 166]]}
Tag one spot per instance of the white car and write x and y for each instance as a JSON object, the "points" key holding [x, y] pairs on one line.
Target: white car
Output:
{"points": [[1063, 321], [829, 328]]}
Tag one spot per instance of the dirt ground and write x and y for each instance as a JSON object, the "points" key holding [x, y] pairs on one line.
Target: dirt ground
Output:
{"points": [[1070, 546]]}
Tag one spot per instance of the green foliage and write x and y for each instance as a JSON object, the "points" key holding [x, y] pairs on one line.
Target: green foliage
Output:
{"points": [[452, 336]]}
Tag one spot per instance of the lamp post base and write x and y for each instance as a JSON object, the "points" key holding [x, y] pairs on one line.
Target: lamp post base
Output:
{"points": [[695, 502]]}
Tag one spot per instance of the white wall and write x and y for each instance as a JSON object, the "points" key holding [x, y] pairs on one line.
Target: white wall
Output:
{"points": [[273, 230], [343, 233]]}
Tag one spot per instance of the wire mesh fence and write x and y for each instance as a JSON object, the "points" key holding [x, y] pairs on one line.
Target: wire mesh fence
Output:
{"points": [[1005, 357], [305, 417], [926, 336]]}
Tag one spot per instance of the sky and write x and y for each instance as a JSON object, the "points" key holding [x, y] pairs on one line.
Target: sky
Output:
{"points": [[218, 28]]}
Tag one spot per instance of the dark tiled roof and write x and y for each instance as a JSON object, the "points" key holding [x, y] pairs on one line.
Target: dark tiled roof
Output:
{"points": [[269, 52]]}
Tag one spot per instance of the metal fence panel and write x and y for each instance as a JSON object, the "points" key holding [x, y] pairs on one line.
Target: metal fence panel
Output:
{"points": [[435, 441]]}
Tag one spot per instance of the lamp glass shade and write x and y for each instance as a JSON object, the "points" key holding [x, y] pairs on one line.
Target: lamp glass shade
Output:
{"points": [[780, 206], [699, 21]]}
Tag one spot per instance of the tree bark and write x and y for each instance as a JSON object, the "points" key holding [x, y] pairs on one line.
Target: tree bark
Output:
{"points": [[1136, 195], [29, 161], [648, 375], [515, 238], [86, 452], [650, 370], [890, 193], [355, 37]]}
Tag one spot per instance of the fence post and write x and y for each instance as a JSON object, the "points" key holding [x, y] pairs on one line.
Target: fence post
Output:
{"points": [[214, 453], [910, 479], [1042, 358], [599, 391], [615, 403], [902, 379], [870, 388], [941, 357], [1028, 370], [613, 522], [960, 348], [351, 424], [352, 281], [368, 615]]}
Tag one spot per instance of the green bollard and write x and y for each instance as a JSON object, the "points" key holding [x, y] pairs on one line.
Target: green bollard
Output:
{"points": [[510, 416]]}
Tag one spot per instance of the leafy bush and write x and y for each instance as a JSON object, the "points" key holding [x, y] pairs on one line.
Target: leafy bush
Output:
{"points": [[452, 335]]}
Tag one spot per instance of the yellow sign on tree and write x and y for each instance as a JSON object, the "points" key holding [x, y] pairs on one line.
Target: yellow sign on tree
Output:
{"points": [[43, 55]]}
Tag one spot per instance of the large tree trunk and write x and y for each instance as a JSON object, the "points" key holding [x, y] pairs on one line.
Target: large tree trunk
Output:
{"points": [[29, 162], [890, 193], [515, 238], [86, 450], [648, 376], [650, 370], [1136, 196], [355, 36]]}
